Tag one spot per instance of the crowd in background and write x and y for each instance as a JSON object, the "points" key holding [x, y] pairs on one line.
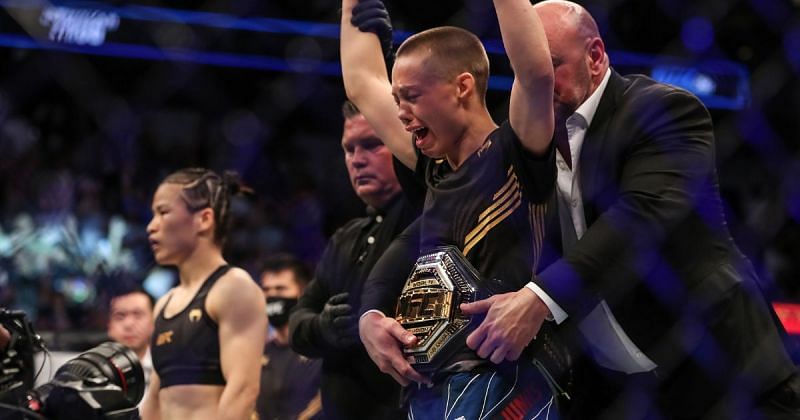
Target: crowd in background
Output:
{"points": [[74, 205]]}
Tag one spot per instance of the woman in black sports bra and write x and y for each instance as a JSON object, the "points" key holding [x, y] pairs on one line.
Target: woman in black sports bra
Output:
{"points": [[210, 328]]}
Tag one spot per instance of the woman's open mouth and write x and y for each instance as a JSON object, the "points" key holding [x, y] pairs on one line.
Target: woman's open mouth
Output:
{"points": [[419, 136]]}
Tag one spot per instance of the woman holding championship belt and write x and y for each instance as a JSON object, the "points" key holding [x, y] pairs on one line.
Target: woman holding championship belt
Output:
{"points": [[486, 186]]}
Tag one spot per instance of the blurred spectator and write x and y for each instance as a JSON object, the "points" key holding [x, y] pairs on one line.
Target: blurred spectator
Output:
{"points": [[289, 381], [130, 322]]}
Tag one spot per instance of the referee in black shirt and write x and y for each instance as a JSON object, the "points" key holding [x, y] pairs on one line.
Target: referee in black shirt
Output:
{"points": [[324, 322]]}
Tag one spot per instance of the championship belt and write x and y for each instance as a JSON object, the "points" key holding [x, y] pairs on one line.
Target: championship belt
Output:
{"points": [[429, 306]]}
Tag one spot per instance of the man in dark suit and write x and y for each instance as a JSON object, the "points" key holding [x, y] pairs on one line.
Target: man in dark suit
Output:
{"points": [[641, 260]]}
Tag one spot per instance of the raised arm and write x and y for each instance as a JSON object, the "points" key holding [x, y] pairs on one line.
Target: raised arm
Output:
{"points": [[238, 305], [367, 85], [531, 107]]}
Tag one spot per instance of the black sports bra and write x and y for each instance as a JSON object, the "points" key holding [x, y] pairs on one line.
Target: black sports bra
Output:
{"points": [[185, 347]]}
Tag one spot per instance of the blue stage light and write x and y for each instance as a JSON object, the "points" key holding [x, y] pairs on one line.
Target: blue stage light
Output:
{"points": [[152, 33]]}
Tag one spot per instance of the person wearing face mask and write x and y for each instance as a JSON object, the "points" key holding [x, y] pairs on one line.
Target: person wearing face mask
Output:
{"points": [[289, 381]]}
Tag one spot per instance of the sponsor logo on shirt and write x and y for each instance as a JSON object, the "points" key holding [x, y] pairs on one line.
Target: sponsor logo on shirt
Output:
{"points": [[164, 338], [195, 315]]}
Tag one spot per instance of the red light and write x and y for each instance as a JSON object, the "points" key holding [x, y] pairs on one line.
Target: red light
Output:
{"points": [[789, 314], [34, 405]]}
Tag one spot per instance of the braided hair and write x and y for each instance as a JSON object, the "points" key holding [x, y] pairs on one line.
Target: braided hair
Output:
{"points": [[203, 188]]}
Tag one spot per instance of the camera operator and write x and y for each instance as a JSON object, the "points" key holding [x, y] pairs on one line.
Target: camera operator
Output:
{"points": [[103, 383]]}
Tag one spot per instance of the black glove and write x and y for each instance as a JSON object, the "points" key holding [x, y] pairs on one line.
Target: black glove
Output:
{"points": [[372, 16], [337, 326]]}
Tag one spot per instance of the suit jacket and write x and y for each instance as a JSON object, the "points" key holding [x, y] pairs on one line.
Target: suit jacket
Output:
{"points": [[658, 250]]}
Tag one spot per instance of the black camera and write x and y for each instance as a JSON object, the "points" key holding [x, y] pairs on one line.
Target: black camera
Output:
{"points": [[16, 360], [106, 382]]}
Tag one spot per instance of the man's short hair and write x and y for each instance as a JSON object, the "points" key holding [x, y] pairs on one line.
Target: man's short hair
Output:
{"points": [[451, 51], [350, 110], [280, 262], [128, 291]]}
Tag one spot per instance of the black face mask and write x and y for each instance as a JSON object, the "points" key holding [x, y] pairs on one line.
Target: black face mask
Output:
{"points": [[278, 309]]}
